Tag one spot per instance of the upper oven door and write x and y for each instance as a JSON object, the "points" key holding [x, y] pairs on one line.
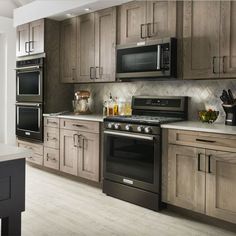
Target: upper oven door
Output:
{"points": [[29, 83], [132, 159], [29, 120]]}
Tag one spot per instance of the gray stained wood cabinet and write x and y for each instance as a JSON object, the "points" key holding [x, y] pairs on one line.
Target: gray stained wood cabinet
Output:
{"points": [[88, 44], [209, 48], [30, 38], [199, 173], [146, 20]]}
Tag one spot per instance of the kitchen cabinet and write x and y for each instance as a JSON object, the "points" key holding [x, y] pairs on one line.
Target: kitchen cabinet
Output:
{"points": [[186, 178], [221, 185], [209, 48], [199, 172], [30, 38], [80, 148], [146, 20], [68, 50]]}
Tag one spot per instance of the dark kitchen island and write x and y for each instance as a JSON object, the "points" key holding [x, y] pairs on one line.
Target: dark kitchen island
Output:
{"points": [[12, 188]]}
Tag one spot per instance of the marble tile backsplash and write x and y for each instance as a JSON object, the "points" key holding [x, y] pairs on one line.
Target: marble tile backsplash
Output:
{"points": [[204, 94]]}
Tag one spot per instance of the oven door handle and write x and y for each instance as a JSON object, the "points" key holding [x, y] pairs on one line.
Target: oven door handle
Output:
{"points": [[27, 68], [128, 135], [28, 104]]}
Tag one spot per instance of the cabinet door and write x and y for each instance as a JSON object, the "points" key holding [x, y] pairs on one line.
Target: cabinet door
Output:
{"points": [[22, 40], [186, 177], [161, 19], [69, 151], [68, 50], [36, 42], [86, 49], [221, 185], [201, 20], [132, 17], [105, 45], [228, 39], [89, 156]]}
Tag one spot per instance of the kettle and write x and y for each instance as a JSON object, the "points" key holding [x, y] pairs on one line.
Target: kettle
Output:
{"points": [[81, 102]]}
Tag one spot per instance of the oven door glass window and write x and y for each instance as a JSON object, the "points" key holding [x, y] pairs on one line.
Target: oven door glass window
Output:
{"points": [[28, 118], [132, 158], [139, 59], [28, 83]]}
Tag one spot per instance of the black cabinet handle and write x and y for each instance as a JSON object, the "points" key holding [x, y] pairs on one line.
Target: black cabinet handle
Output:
{"points": [[205, 141], [199, 162], [141, 31], [209, 164]]}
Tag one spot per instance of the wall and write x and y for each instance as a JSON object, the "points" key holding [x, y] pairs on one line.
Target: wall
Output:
{"points": [[7, 80], [203, 94]]}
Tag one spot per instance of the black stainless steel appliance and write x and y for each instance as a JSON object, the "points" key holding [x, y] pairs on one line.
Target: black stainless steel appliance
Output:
{"points": [[29, 120], [132, 149], [154, 59], [29, 80]]}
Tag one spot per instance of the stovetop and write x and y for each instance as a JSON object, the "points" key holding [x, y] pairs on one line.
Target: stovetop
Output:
{"points": [[139, 119]]}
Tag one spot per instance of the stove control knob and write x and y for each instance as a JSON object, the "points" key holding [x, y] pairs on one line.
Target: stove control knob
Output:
{"points": [[140, 128], [117, 126], [110, 125], [148, 130], [128, 127]]}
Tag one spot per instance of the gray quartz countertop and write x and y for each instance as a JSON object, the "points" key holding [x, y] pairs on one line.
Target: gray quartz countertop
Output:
{"points": [[202, 127], [9, 153], [90, 117]]}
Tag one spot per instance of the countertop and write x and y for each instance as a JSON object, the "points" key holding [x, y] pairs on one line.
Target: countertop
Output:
{"points": [[9, 153], [219, 128], [92, 117]]}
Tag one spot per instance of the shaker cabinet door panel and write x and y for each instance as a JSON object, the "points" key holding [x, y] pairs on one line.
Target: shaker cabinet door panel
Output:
{"points": [[86, 48], [69, 151], [89, 156], [186, 177], [228, 39], [201, 20], [22, 40], [68, 51], [221, 185], [132, 17], [36, 39], [161, 19], [105, 45]]}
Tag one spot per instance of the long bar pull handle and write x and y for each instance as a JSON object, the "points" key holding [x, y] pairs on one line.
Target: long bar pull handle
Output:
{"points": [[213, 65], [141, 31], [199, 162], [205, 141], [209, 164]]}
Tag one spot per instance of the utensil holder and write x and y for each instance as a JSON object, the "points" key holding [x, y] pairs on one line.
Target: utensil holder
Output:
{"points": [[230, 111]]}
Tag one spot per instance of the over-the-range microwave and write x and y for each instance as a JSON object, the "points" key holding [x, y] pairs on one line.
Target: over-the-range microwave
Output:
{"points": [[150, 59]]}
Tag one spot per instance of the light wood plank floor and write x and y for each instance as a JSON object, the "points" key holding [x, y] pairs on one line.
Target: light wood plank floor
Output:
{"points": [[57, 206]]}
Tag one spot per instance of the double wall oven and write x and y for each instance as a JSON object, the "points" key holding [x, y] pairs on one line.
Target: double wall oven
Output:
{"points": [[29, 97], [132, 149]]}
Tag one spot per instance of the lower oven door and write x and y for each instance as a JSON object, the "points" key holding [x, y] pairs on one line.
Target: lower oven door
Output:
{"points": [[132, 159], [29, 121]]}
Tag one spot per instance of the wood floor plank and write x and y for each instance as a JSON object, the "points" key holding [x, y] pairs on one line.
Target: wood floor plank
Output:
{"points": [[57, 206]]}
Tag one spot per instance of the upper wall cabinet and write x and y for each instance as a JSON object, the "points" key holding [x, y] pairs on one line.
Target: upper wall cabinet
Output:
{"points": [[30, 38], [146, 20], [209, 36], [88, 46]]}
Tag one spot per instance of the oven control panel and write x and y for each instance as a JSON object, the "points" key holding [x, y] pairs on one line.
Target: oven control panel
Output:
{"points": [[134, 128]]}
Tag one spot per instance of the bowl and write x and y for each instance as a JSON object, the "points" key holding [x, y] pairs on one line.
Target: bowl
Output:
{"points": [[208, 116]]}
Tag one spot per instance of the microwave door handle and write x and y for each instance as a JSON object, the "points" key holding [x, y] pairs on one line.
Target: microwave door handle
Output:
{"points": [[158, 57]]}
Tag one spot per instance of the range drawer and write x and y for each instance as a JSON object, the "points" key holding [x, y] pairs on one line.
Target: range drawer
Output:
{"points": [[51, 122], [51, 158], [51, 137], [78, 125], [37, 150], [222, 142]]}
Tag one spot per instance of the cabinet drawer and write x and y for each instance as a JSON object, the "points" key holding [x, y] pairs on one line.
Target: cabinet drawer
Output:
{"points": [[88, 126], [36, 159], [51, 158], [203, 139], [51, 137], [51, 122], [34, 147]]}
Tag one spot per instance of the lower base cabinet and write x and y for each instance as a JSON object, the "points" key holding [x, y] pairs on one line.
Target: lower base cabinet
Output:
{"points": [[202, 180]]}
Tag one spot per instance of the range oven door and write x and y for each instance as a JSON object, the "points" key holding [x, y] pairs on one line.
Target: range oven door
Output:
{"points": [[132, 159], [29, 121], [29, 84]]}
